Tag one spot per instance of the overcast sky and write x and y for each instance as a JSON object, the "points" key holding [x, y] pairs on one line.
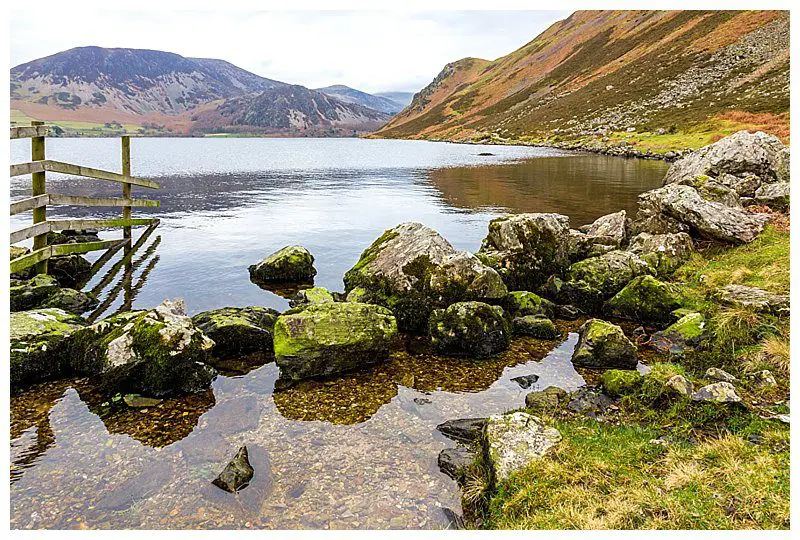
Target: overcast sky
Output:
{"points": [[370, 50]]}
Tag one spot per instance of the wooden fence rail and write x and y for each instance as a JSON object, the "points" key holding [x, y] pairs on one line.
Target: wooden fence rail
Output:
{"points": [[40, 199]]}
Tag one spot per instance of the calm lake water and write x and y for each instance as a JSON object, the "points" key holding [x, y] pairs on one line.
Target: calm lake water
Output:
{"points": [[355, 452]]}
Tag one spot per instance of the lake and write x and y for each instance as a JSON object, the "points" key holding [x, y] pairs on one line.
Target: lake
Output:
{"points": [[358, 451]]}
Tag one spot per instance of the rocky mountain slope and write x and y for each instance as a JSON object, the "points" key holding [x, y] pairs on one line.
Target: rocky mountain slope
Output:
{"points": [[351, 95], [160, 92], [598, 74]]}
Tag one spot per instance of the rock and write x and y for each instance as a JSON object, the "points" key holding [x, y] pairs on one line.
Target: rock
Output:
{"points": [[527, 248], [454, 461], [588, 402], [680, 384], [535, 326], [237, 474], [716, 374], [739, 154], [521, 303], [592, 281], [763, 378], [719, 392], [602, 345], [578, 245], [526, 381], [135, 401], [664, 252], [618, 382], [706, 219], [157, 353], [753, 298], [238, 331], [646, 300], [568, 313], [454, 521], [288, 264], [31, 293], [314, 295], [71, 271], [515, 440], [549, 399], [471, 329], [608, 230], [40, 344], [322, 339], [465, 430], [774, 195], [412, 270], [714, 191], [680, 337], [70, 300], [18, 251]]}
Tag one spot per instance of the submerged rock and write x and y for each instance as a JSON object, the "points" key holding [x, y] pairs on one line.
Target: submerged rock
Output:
{"points": [[527, 248], [526, 381], [536, 326], [157, 353], [602, 345], [664, 252], [514, 440], [288, 264], [465, 430], [646, 300], [314, 295], [412, 270], [592, 281], [135, 401], [455, 461], [718, 392], [238, 331], [322, 339], [237, 474], [681, 336], [470, 329], [753, 298], [39, 344]]}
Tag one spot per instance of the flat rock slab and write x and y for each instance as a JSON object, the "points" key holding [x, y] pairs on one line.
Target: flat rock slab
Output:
{"points": [[753, 298], [515, 440], [462, 430]]}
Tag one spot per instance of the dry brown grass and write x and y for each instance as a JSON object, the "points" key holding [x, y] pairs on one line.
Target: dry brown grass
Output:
{"points": [[776, 124]]}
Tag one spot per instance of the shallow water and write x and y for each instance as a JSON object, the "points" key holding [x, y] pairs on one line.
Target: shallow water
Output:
{"points": [[357, 451]]}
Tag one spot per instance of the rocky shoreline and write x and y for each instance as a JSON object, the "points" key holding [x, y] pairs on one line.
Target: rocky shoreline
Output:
{"points": [[530, 270]]}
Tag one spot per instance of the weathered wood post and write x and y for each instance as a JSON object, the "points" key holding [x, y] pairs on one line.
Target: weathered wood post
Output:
{"points": [[126, 214], [39, 187]]}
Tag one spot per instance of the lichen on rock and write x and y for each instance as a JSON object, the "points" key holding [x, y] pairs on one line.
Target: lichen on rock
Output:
{"points": [[602, 345], [238, 331], [472, 329], [514, 440], [288, 264], [646, 300]]}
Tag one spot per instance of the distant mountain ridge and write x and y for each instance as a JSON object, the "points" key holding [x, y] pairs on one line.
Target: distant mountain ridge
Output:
{"points": [[179, 94], [351, 95]]}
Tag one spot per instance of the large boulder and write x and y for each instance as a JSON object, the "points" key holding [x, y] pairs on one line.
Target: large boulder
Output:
{"points": [[288, 264], [157, 353], [513, 441], [527, 248], [645, 300], [706, 219], [774, 195], [40, 341], [472, 329], [523, 303], [412, 270], [680, 337], [739, 154], [238, 331], [602, 345], [328, 338], [609, 229], [590, 282], [70, 270], [664, 252], [535, 326], [43, 291], [753, 298]]}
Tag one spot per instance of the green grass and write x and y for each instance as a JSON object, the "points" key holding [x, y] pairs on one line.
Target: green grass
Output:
{"points": [[612, 477]]}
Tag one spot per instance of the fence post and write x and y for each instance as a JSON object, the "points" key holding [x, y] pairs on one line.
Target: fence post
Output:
{"points": [[126, 187], [39, 187]]}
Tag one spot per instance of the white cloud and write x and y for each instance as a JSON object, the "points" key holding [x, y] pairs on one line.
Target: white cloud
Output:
{"points": [[370, 50]]}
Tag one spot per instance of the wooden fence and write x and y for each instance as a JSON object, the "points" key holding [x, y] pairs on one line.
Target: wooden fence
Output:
{"points": [[40, 199]]}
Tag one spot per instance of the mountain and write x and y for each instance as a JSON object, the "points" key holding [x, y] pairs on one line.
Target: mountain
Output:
{"points": [[351, 95], [289, 109], [403, 99], [599, 73], [137, 81]]}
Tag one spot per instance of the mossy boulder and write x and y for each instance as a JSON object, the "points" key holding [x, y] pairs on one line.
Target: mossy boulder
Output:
{"points": [[314, 295], [288, 264], [646, 300], [238, 331], [526, 249], [521, 303], [472, 329], [155, 353], [549, 399], [535, 326], [602, 345], [412, 270], [328, 338], [590, 282], [40, 344], [71, 271], [664, 252], [682, 336], [621, 382], [42, 291]]}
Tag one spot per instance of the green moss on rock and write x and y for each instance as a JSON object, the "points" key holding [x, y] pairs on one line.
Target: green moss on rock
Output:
{"points": [[473, 329], [288, 264], [602, 345], [645, 300], [536, 326], [523, 303], [619, 382], [238, 331]]}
